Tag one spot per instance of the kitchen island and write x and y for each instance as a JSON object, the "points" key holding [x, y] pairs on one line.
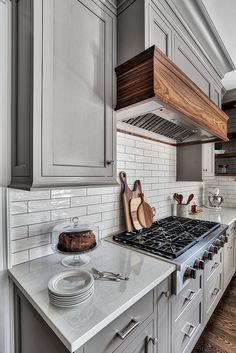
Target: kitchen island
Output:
{"points": [[76, 326]]}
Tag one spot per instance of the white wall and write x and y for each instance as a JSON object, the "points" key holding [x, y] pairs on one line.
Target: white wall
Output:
{"points": [[33, 214], [4, 171]]}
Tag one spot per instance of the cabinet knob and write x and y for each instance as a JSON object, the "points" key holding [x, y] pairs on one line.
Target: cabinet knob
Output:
{"points": [[166, 294], [110, 162]]}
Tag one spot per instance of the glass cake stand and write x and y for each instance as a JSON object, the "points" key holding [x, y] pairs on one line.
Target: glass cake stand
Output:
{"points": [[74, 259]]}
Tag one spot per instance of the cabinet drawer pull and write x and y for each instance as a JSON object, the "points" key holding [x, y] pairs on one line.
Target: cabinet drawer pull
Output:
{"points": [[190, 296], [190, 331], [215, 291], [128, 329], [216, 264], [150, 339]]}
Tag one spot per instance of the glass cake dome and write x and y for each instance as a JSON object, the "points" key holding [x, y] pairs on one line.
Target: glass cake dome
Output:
{"points": [[73, 239]]}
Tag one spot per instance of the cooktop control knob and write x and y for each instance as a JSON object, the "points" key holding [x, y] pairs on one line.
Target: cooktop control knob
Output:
{"points": [[213, 248], [219, 243], [190, 272], [199, 264], [208, 255], [224, 238]]}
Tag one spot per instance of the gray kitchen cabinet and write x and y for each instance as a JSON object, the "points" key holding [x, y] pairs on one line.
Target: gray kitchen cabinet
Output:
{"points": [[229, 255], [63, 123], [195, 162], [189, 63], [32, 334]]}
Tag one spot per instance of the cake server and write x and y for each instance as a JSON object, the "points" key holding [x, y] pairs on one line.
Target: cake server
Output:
{"points": [[108, 275]]}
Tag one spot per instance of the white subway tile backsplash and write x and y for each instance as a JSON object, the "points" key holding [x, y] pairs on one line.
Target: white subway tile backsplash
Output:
{"points": [[100, 191], [21, 195], [19, 257], [19, 233], [68, 213], [100, 208], [85, 200], [68, 193], [41, 251], [43, 228], [31, 242], [29, 218], [41, 205], [19, 207], [34, 214]]}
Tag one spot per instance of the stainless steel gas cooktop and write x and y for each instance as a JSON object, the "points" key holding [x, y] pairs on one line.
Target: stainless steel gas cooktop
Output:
{"points": [[169, 237]]}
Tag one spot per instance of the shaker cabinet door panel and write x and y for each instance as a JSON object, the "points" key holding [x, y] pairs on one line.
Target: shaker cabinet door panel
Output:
{"points": [[188, 62], [77, 92], [159, 33]]}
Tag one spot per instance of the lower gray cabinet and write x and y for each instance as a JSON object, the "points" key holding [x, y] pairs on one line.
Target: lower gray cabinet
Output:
{"points": [[64, 130], [32, 334], [229, 256]]}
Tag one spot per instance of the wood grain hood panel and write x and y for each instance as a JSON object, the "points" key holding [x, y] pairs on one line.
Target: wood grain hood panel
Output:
{"points": [[151, 77]]}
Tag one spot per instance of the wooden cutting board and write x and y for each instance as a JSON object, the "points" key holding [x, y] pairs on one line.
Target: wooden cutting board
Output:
{"points": [[145, 213], [127, 195], [134, 205]]}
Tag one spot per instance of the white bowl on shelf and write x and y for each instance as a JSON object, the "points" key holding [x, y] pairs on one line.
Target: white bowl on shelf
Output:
{"points": [[219, 151]]}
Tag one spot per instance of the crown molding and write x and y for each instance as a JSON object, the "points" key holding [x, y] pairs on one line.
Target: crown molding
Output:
{"points": [[230, 96], [111, 5], [195, 18]]}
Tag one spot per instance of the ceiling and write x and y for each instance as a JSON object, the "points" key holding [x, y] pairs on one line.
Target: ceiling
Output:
{"points": [[222, 14]]}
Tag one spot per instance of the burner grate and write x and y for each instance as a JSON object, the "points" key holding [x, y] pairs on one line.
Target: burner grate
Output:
{"points": [[169, 237]]}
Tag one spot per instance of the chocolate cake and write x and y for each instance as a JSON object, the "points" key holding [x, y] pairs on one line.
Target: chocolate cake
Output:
{"points": [[76, 242]]}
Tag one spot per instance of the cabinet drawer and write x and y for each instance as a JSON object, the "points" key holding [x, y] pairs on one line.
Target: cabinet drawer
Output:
{"points": [[186, 296], [213, 293], [110, 338], [187, 329], [213, 266]]}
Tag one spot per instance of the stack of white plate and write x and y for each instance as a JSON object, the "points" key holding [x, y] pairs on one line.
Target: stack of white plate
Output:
{"points": [[70, 288]]}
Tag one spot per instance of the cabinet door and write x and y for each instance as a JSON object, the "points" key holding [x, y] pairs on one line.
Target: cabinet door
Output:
{"points": [[159, 33], [229, 258], [188, 62], [208, 160], [77, 90]]}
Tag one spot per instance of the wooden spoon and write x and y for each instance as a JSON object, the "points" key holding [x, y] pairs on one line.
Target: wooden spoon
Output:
{"points": [[191, 196]]}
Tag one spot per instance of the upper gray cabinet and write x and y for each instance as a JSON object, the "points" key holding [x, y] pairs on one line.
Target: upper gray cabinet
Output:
{"points": [[63, 124]]}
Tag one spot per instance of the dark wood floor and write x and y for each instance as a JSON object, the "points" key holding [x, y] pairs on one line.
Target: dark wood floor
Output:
{"points": [[219, 335]]}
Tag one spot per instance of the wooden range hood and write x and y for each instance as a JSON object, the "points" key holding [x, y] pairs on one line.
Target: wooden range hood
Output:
{"points": [[150, 85]]}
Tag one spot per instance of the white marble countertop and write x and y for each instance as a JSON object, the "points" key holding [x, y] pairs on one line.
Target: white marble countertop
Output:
{"points": [[75, 326], [224, 215]]}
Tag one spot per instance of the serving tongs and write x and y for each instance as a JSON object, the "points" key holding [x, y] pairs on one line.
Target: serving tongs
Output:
{"points": [[108, 276]]}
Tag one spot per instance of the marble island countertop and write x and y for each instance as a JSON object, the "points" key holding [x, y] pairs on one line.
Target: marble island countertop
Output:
{"points": [[223, 215], [77, 325]]}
